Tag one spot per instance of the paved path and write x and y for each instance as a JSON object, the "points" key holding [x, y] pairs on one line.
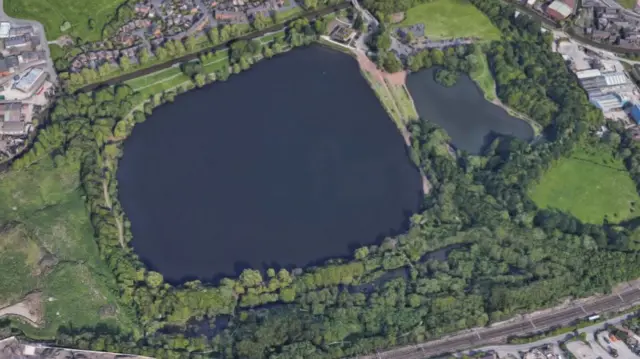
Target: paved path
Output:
{"points": [[43, 39], [523, 325]]}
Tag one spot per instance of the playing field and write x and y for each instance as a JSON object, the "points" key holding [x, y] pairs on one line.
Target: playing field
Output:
{"points": [[590, 184], [53, 13], [446, 19]]}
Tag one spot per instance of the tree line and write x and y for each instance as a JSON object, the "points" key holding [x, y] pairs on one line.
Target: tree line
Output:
{"points": [[503, 255]]}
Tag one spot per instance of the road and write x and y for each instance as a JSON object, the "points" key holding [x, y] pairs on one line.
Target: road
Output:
{"points": [[521, 326], [146, 71], [43, 38]]}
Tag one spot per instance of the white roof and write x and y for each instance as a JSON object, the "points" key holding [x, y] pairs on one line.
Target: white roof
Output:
{"points": [[29, 350], [585, 74], [29, 79], [5, 27], [531, 2], [561, 8], [615, 78]]}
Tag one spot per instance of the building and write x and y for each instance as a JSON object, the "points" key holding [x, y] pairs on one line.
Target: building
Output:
{"points": [[13, 128], [10, 111], [615, 79], [559, 10], [593, 83], [5, 28], [585, 74], [343, 34], [635, 113], [28, 57], [531, 2], [18, 42], [20, 31], [607, 102], [33, 79]]}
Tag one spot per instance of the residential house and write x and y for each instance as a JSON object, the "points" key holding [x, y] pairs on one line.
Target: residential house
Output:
{"points": [[21, 31], [18, 43]]}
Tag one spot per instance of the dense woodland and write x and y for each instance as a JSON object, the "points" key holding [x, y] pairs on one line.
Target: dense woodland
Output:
{"points": [[503, 255]]}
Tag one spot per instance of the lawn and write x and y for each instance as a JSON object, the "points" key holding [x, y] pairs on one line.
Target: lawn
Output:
{"points": [[483, 78], [445, 19], [629, 4], [53, 13], [590, 184], [47, 245]]}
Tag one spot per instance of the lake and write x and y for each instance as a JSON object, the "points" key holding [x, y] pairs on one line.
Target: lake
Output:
{"points": [[288, 164], [471, 121]]}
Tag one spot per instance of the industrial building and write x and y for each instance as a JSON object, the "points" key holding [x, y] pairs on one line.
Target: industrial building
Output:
{"points": [[13, 128], [607, 102], [585, 74], [33, 79], [10, 111], [17, 42]]}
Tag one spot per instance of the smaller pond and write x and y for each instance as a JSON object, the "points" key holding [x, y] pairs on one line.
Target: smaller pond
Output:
{"points": [[471, 121]]}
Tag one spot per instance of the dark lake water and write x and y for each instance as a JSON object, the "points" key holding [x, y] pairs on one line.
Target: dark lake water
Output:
{"points": [[471, 121], [287, 164]]}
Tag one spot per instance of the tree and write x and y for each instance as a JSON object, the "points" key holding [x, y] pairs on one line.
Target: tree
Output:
{"points": [[154, 279], [250, 278], [259, 21], [125, 63], [446, 78], [144, 56], [391, 63], [310, 4], [191, 43], [200, 80]]}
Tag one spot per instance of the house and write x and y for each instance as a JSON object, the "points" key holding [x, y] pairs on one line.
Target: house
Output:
{"points": [[18, 42], [559, 10], [21, 31], [231, 16]]}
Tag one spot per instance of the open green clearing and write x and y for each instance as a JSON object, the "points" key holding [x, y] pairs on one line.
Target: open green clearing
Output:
{"points": [[483, 78], [445, 19], [629, 4], [53, 13], [590, 184], [48, 245]]}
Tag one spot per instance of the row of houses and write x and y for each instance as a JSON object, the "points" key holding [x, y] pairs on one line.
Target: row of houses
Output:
{"points": [[607, 22], [94, 59]]}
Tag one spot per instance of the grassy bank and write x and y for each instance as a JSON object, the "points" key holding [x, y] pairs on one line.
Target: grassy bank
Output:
{"points": [[591, 184], [48, 246], [53, 13], [445, 19]]}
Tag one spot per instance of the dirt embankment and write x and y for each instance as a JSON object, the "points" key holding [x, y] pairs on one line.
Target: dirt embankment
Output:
{"points": [[383, 79], [29, 309]]}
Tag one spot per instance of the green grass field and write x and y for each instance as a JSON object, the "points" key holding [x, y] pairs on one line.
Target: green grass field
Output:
{"points": [[629, 4], [445, 19], [483, 78], [48, 245], [53, 13], [590, 184]]}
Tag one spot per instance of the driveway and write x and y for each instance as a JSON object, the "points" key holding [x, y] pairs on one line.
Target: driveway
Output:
{"points": [[43, 39]]}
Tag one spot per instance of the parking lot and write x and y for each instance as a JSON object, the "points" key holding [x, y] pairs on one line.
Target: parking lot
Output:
{"points": [[619, 345], [584, 351]]}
